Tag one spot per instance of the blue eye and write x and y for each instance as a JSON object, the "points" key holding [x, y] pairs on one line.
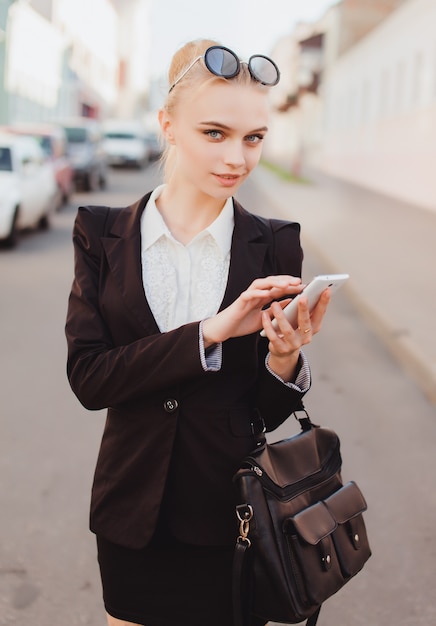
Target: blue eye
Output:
{"points": [[254, 138], [213, 134]]}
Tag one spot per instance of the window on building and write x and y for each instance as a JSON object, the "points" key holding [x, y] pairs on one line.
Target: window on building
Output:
{"points": [[384, 93], [417, 79], [365, 102], [400, 73]]}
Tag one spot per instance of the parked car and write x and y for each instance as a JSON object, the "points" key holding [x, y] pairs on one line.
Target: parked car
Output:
{"points": [[27, 187], [124, 143], [53, 140], [85, 149], [154, 146]]}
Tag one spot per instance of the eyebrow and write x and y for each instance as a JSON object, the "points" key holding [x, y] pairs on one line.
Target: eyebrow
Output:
{"points": [[224, 127]]}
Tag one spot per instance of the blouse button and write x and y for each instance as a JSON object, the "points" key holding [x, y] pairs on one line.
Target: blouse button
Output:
{"points": [[170, 405]]}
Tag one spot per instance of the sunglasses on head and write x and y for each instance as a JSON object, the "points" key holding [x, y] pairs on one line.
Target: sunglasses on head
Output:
{"points": [[223, 62]]}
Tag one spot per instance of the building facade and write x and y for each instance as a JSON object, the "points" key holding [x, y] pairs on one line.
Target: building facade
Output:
{"points": [[380, 108], [63, 58], [365, 110]]}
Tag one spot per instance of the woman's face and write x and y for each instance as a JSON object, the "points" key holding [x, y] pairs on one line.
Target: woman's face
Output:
{"points": [[218, 132]]}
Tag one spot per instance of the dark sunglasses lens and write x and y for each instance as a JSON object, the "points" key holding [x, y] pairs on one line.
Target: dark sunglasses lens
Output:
{"points": [[264, 70], [221, 62]]}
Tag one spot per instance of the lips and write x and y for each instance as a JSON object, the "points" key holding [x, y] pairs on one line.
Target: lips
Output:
{"points": [[228, 180]]}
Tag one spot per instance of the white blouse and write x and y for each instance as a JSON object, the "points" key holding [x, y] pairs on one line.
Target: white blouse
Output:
{"points": [[184, 283]]}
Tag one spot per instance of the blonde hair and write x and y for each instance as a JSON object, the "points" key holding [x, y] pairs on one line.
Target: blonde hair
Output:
{"points": [[198, 75]]}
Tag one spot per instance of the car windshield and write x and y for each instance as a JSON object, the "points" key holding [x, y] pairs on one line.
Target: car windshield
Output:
{"points": [[5, 160], [76, 135], [120, 135], [45, 144]]}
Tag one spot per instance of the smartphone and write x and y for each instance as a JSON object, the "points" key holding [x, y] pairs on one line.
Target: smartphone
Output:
{"points": [[312, 291]]}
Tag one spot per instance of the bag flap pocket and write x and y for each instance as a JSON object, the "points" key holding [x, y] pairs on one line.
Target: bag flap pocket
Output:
{"points": [[321, 519], [346, 503], [314, 523]]}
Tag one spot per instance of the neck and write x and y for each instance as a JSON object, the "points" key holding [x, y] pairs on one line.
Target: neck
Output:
{"points": [[187, 211]]}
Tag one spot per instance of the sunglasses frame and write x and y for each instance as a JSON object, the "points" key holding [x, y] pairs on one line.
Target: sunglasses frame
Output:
{"points": [[237, 70]]}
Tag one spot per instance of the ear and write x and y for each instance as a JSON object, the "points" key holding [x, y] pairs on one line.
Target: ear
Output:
{"points": [[166, 124]]}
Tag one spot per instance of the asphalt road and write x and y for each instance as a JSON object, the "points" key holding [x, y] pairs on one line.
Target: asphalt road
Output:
{"points": [[49, 443]]}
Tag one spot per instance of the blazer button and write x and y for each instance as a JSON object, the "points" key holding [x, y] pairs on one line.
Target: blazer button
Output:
{"points": [[170, 405]]}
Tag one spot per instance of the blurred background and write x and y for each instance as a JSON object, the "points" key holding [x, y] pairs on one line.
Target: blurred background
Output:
{"points": [[350, 154], [356, 98]]}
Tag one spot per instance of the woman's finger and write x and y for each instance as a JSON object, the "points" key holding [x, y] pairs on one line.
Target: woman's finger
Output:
{"points": [[281, 284], [304, 321], [319, 311]]}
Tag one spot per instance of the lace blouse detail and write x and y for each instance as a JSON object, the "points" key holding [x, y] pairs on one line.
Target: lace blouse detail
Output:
{"points": [[184, 283]]}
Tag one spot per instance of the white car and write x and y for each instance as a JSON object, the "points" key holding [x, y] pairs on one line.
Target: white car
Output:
{"points": [[28, 188], [125, 143], [85, 150]]}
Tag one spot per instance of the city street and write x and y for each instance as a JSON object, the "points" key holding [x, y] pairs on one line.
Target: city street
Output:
{"points": [[49, 443]]}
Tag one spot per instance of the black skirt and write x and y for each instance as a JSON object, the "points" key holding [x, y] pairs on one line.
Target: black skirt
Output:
{"points": [[168, 583]]}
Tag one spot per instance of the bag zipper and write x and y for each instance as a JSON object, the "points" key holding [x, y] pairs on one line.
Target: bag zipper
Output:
{"points": [[288, 492]]}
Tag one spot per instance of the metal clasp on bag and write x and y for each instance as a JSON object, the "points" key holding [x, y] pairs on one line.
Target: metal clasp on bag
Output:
{"points": [[244, 513], [304, 421]]}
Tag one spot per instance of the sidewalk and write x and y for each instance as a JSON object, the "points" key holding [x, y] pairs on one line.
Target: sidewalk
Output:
{"points": [[387, 246]]}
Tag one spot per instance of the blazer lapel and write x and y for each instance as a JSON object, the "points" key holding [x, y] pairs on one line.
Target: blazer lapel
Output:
{"points": [[123, 253], [247, 255]]}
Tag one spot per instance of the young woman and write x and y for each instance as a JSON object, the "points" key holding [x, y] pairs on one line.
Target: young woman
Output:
{"points": [[163, 327]]}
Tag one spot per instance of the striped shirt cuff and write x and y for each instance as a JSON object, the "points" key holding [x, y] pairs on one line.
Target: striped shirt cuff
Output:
{"points": [[211, 358], [303, 380]]}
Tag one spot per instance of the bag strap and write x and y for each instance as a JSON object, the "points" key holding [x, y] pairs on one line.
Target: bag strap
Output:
{"points": [[237, 585], [304, 421], [258, 426], [242, 594], [313, 618]]}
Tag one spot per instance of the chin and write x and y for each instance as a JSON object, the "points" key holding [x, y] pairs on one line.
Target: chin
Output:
{"points": [[225, 194], [218, 194]]}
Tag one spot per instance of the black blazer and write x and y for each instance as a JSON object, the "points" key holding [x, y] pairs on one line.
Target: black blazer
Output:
{"points": [[174, 434]]}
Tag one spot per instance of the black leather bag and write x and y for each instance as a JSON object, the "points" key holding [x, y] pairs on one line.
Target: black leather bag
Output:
{"points": [[302, 533]]}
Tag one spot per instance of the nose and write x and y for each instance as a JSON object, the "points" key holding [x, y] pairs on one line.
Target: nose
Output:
{"points": [[234, 154]]}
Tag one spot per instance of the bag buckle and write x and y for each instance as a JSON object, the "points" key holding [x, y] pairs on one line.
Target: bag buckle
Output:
{"points": [[244, 513], [304, 421]]}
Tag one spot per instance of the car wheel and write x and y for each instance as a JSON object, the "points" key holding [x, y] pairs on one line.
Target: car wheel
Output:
{"points": [[92, 181], [59, 198], [12, 239], [44, 222]]}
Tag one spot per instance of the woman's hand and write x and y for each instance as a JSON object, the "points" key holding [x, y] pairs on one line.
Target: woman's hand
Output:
{"points": [[285, 342], [244, 316]]}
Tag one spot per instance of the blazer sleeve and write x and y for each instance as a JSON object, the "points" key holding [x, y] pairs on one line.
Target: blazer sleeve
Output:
{"points": [[276, 401], [100, 373]]}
